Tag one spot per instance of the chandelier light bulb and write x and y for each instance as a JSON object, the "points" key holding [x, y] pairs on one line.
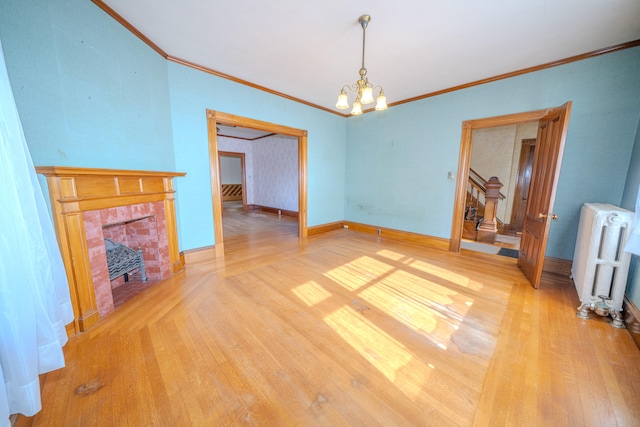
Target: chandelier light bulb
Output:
{"points": [[343, 102], [357, 108], [366, 95], [381, 101]]}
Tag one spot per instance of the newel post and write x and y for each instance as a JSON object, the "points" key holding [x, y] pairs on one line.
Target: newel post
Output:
{"points": [[488, 228]]}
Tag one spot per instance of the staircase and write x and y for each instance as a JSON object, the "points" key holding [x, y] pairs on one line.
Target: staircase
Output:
{"points": [[473, 213], [480, 193]]}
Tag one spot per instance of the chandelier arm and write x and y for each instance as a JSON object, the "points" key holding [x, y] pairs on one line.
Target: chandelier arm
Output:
{"points": [[351, 88]]}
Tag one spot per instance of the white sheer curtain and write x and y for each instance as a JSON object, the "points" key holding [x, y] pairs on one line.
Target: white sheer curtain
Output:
{"points": [[34, 294], [633, 241]]}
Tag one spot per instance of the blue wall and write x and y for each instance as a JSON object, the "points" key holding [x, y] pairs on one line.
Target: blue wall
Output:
{"points": [[397, 160], [91, 94], [193, 92]]}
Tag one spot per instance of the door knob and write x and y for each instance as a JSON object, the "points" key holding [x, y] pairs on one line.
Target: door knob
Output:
{"points": [[552, 216]]}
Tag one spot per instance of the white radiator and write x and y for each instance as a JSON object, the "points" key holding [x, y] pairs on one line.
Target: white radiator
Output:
{"points": [[600, 265]]}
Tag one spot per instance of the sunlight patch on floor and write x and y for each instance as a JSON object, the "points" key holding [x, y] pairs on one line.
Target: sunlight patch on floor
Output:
{"points": [[358, 273], [418, 304], [420, 289], [386, 354], [391, 254], [311, 293], [400, 289], [447, 275], [401, 307]]}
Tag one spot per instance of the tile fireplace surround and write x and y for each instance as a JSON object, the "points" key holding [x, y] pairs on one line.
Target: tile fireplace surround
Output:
{"points": [[85, 200]]}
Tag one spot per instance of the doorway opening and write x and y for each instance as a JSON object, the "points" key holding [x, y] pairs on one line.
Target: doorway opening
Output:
{"points": [[259, 185], [475, 132], [233, 178], [214, 120], [546, 163], [502, 154]]}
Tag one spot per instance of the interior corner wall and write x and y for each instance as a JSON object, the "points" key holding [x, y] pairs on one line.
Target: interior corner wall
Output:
{"points": [[398, 159]]}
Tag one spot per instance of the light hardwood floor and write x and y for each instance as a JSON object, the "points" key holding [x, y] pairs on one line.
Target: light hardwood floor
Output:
{"points": [[345, 329]]}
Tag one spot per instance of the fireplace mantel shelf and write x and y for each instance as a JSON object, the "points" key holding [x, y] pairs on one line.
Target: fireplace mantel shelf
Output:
{"points": [[73, 191], [82, 189], [71, 171]]}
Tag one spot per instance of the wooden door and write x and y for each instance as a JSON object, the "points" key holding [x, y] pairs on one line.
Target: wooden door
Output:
{"points": [[552, 131], [519, 207]]}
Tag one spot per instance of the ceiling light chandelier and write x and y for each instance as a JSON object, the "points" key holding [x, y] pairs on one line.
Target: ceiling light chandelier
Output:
{"points": [[362, 88]]}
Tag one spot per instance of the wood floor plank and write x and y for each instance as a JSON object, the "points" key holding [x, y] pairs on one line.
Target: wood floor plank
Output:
{"points": [[344, 328], [322, 385], [272, 276], [159, 397], [259, 395], [559, 354]]}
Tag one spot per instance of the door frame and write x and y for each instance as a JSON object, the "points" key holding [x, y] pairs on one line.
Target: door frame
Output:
{"points": [[464, 163], [216, 117]]}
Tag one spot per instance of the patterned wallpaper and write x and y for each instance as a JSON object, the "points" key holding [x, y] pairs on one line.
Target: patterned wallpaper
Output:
{"points": [[271, 170], [275, 166]]}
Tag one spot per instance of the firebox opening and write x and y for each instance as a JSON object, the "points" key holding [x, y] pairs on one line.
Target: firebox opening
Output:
{"points": [[140, 236], [139, 226]]}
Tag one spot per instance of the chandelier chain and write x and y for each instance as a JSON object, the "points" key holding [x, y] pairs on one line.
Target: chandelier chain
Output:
{"points": [[364, 32]]}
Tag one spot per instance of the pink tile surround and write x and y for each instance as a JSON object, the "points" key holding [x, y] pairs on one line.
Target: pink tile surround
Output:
{"points": [[141, 225]]}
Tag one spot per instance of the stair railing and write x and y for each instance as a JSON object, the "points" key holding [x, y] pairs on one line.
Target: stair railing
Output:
{"points": [[478, 182], [477, 203]]}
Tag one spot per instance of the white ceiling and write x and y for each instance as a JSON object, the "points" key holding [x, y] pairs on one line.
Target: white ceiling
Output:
{"points": [[310, 49]]}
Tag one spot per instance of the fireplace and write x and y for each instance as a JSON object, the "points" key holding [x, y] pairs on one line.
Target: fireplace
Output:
{"points": [[136, 208], [136, 226]]}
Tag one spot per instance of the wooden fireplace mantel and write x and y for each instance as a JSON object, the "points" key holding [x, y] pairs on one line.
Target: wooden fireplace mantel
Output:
{"points": [[73, 191]]}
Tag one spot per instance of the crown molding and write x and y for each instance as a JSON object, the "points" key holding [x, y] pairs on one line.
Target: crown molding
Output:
{"points": [[528, 70], [551, 64], [115, 15], [247, 83]]}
